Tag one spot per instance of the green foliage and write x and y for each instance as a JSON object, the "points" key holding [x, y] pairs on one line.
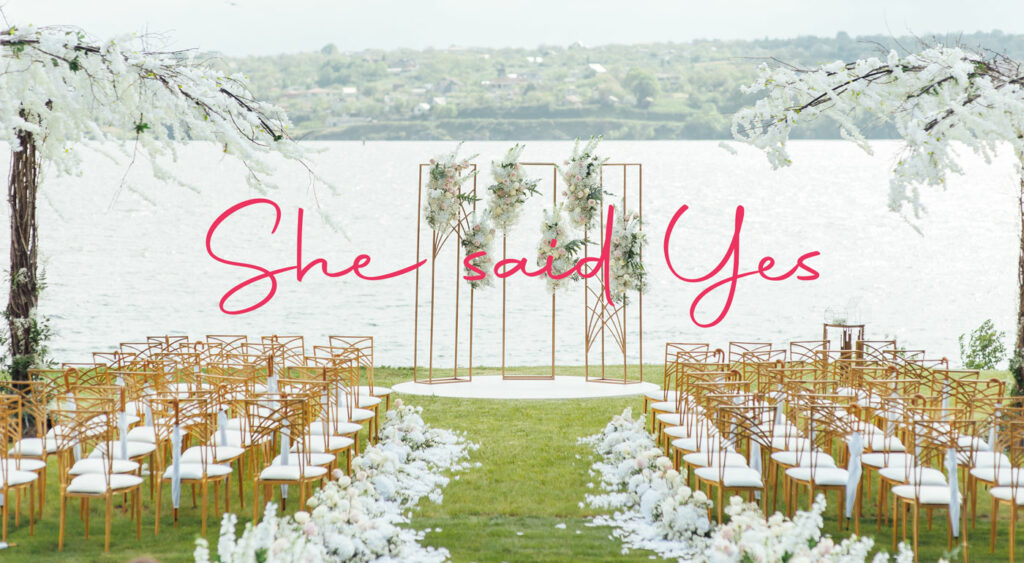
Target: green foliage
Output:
{"points": [[984, 349], [644, 86]]}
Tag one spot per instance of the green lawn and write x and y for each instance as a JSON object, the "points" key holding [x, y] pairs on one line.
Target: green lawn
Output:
{"points": [[533, 477]]}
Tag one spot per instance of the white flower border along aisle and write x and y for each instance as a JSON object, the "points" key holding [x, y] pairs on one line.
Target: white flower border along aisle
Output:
{"points": [[357, 519], [654, 509]]}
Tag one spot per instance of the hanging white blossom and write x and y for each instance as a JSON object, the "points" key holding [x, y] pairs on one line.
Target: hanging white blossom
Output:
{"points": [[63, 87], [938, 100]]}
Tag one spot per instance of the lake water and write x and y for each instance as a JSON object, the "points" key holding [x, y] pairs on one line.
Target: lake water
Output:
{"points": [[124, 263]]}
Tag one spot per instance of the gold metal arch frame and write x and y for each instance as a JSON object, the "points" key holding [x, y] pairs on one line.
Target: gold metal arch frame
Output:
{"points": [[438, 241], [603, 323]]}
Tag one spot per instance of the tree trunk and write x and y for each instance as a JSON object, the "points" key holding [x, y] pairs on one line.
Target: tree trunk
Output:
{"points": [[21, 194], [1018, 349]]}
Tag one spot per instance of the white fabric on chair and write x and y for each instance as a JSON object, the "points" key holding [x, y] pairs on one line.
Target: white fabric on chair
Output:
{"points": [[1004, 476], [319, 443], [23, 464], [340, 428], [855, 470], [18, 478], [33, 447], [911, 475], [803, 458], [212, 454], [930, 494], [99, 465], [314, 459], [132, 449], [708, 458], [1005, 493]]}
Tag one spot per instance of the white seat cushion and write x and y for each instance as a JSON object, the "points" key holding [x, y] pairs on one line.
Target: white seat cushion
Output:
{"points": [[95, 483], [971, 442], [367, 402], [910, 475], [33, 447], [194, 471], [659, 395], [826, 476], [142, 434], [664, 406], [99, 465], [983, 459], [1004, 493], [337, 428], [731, 476], [214, 454], [695, 443], [929, 494], [886, 459], [881, 443], [24, 464], [15, 478], [319, 443], [707, 458], [291, 472], [1006, 475], [790, 444], [359, 415], [135, 449], [684, 431], [313, 459], [795, 459], [378, 391]]}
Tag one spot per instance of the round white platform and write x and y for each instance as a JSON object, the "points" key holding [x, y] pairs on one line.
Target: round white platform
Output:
{"points": [[494, 387]]}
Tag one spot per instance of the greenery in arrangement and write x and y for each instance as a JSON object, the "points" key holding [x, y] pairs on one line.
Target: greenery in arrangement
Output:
{"points": [[648, 91], [984, 349]]}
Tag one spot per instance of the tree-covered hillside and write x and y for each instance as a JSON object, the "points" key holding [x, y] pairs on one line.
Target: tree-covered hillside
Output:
{"points": [[648, 91]]}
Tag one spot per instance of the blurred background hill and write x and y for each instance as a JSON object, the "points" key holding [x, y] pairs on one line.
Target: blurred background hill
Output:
{"points": [[642, 91]]}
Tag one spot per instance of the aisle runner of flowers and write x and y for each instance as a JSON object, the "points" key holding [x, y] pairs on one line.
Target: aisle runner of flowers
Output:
{"points": [[653, 508], [357, 518]]}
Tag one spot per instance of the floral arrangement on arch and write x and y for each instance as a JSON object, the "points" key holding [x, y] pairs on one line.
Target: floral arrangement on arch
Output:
{"points": [[627, 271], [582, 175], [358, 518], [556, 245], [478, 237], [510, 190], [444, 189]]}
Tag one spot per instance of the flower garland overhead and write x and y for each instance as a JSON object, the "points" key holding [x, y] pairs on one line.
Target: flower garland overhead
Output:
{"points": [[556, 245], [358, 519], [444, 197], [654, 509], [582, 175], [510, 190], [627, 271], [478, 238]]}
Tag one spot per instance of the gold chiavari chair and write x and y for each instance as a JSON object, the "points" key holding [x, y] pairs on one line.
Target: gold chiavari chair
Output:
{"points": [[741, 427], [934, 432], [1009, 489], [990, 466], [45, 389], [175, 419], [364, 346], [345, 382], [827, 424], [675, 352], [677, 420], [16, 474], [89, 424], [285, 418], [321, 400], [226, 343], [809, 353]]}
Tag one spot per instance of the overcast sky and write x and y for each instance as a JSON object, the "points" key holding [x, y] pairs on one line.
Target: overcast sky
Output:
{"points": [[241, 27]]}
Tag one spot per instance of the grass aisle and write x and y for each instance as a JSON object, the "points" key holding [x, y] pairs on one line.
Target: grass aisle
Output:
{"points": [[532, 479]]}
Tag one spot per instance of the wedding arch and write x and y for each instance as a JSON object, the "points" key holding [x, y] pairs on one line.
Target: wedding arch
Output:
{"points": [[606, 328]]}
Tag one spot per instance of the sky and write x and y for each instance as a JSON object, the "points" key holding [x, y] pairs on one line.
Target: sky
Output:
{"points": [[261, 27]]}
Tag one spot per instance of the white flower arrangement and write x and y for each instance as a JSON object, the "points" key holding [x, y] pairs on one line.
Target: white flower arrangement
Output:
{"points": [[357, 518], [444, 190], [562, 253], [627, 271], [479, 237], [653, 509], [582, 175], [510, 190]]}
